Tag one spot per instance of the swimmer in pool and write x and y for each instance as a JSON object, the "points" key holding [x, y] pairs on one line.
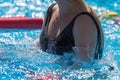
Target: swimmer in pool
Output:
{"points": [[72, 26]]}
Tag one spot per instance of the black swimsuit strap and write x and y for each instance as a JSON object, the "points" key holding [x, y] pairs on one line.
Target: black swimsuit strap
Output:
{"points": [[48, 15], [47, 20], [86, 13], [73, 21], [43, 37]]}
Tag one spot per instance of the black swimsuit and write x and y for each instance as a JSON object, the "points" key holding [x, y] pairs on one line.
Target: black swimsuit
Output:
{"points": [[65, 41]]}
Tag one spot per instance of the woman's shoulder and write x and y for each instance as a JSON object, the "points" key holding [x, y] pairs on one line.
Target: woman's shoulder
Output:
{"points": [[51, 8], [55, 8]]}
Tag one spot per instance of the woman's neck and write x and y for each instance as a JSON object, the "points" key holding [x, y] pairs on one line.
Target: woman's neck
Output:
{"points": [[66, 7]]}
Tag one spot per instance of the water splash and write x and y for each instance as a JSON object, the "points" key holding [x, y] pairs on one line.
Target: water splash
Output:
{"points": [[20, 57]]}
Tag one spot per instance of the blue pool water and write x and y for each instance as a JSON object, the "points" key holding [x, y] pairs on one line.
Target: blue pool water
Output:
{"points": [[19, 56]]}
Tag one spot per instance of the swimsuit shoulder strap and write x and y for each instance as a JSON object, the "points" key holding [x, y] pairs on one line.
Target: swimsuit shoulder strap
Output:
{"points": [[47, 20], [86, 13], [48, 15], [70, 26], [43, 37]]}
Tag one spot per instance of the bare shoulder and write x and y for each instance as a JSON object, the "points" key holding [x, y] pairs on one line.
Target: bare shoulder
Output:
{"points": [[55, 8]]}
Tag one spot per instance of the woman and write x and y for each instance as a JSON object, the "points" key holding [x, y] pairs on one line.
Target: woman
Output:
{"points": [[72, 26]]}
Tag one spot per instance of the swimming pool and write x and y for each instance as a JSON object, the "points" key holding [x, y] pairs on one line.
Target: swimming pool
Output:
{"points": [[19, 56]]}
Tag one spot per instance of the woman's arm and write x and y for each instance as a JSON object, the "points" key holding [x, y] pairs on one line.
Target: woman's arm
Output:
{"points": [[85, 36]]}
